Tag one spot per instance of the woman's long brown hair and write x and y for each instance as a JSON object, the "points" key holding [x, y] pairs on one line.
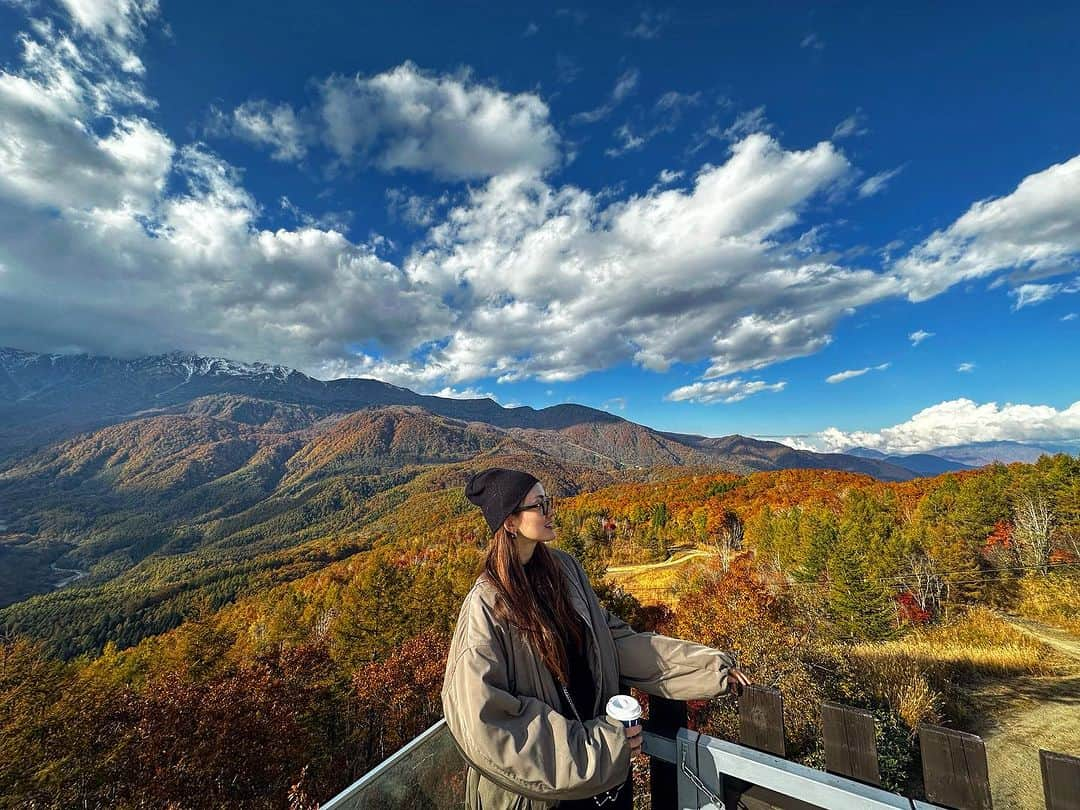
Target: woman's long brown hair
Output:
{"points": [[524, 595]]}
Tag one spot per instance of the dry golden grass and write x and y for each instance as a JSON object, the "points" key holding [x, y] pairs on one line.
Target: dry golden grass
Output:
{"points": [[911, 673], [1053, 599], [658, 583]]}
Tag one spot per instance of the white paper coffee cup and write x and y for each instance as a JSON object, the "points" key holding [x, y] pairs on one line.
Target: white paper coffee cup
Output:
{"points": [[624, 709]]}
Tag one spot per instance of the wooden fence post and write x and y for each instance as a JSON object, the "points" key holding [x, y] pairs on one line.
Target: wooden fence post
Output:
{"points": [[954, 768], [850, 743], [761, 719], [1061, 780]]}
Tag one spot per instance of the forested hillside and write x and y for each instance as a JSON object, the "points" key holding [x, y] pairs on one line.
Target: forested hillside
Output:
{"points": [[331, 655]]}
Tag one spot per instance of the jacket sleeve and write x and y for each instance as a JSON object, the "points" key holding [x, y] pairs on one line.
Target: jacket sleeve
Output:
{"points": [[522, 743], [668, 667]]}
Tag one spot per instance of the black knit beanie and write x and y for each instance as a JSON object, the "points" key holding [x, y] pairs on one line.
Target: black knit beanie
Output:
{"points": [[498, 491]]}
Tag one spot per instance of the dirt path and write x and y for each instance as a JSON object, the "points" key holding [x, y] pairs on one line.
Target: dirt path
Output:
{"points": [[1029, 713], [676, 559]]}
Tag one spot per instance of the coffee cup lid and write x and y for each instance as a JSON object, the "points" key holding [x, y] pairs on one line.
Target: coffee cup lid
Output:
{"points": [[623, 707]]}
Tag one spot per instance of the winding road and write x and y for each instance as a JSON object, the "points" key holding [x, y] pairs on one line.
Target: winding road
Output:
{"points": [[74, 574]]}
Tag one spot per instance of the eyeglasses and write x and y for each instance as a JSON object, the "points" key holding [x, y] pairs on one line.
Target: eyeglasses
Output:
{"points": [[545, 503]]}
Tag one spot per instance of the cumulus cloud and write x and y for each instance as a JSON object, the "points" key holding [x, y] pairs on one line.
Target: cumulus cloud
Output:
{"points": [[918, 336], [1034, 232], [877, 183], [840, 376], [103, 220], [275, 126], [670, 276], [960, 421], [710, 392], [451, 126], [964, 368], [515, 278]]}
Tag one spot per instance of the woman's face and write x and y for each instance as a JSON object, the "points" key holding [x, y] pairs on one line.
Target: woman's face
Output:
{"points": [[532, 524]]}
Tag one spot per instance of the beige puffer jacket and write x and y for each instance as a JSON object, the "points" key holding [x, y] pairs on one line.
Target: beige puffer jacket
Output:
{"points": [[498, 700]]}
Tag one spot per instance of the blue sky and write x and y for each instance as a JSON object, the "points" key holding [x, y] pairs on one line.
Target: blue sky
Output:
{"points": [[692, 217]]}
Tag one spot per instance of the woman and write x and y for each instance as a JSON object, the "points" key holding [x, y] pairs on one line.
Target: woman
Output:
{"points": [[534, 659]]}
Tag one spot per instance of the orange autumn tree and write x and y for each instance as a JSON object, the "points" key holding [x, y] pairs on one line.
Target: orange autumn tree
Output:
{"points": [[776, 635]]}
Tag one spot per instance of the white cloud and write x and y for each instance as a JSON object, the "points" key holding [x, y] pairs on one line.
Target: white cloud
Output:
{"points": [[710, 392], [840, 376], [92, 234], [465, 393], [415, 209], [812, 40], [964, 368], [1033, 232], [277, 127], [520, 278], [747, 123], [1028, 295], [673, 100], [116, 24], [451, 126], [668, 176], [618, 403], [629, 142], [961, 421], [50, 157], [854, 124], [537, 273], [649, 24], [1069, 317], [918, 336], [878, 182], [624, 86]]}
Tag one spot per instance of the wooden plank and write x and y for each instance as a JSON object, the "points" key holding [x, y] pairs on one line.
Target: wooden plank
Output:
{"points": [[1061, 780], [850, 743], [761, 719], [954, 768], [665, 718]]}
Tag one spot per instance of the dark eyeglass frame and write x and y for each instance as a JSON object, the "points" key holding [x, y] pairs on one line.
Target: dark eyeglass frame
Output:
{"points": [[545, 502]]}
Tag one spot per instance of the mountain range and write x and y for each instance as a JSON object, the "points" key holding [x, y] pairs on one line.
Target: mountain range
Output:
{"points": [[173, 483]]}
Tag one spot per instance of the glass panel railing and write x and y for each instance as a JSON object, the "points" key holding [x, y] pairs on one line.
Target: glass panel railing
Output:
{"points": [[428, 772]]}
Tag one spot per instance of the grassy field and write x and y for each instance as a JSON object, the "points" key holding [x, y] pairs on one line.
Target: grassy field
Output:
{"points": [[659, 583], [1017, 685]]}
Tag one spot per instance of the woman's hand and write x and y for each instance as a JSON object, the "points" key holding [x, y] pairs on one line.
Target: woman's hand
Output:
{"points": [[633, 734], [737, 680]]}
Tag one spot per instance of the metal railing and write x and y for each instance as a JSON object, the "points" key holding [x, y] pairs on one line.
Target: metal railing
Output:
{"points": [[692, 771]]}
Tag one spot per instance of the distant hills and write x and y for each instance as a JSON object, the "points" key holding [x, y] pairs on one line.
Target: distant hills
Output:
{"points": [[967, 456], [48, 398], [173, 484]]}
